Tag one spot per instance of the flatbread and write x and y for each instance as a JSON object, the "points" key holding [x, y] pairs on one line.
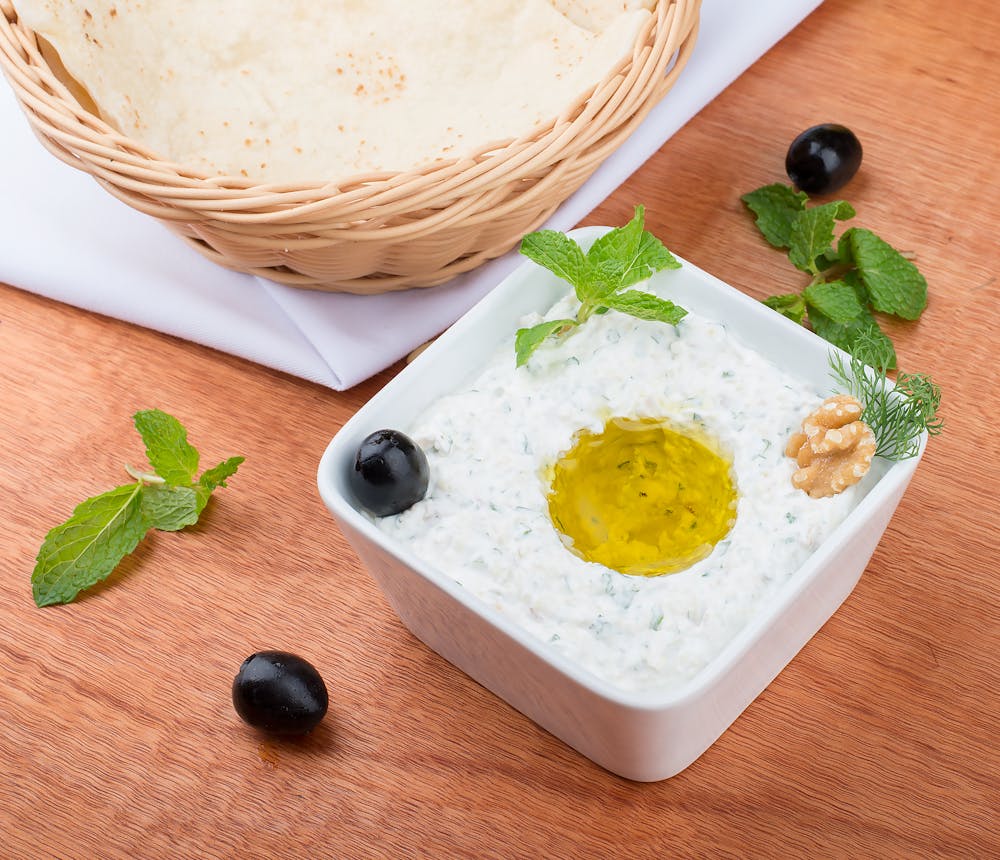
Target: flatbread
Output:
{"points": [[318, 91]]}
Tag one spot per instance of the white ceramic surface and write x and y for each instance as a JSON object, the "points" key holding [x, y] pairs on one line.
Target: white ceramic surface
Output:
{"points": [[639, 736]]}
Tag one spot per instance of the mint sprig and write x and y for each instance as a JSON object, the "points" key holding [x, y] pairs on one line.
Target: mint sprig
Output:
{"points": [[601, 278], [851, 278], [102, 530]]}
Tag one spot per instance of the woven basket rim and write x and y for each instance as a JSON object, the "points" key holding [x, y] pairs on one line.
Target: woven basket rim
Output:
{"points": [[368, 233], [76, 127]]}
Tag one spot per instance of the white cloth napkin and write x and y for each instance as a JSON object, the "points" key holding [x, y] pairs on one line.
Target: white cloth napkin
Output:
{"points": [[62, 236]]}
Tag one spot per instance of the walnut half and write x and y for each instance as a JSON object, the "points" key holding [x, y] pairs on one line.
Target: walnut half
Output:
{"points": [[834, 449]]}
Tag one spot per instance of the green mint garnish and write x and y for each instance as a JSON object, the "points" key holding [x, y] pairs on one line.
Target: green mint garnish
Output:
{"points": [[852, 278], [527, 340], [847, 335], [791, 305], [893, 283], [811, 234], [169, 509], [645, 306], [776, 206], [167, 448], [215, 477], [104, 529], [88, 546], [600, 277], [896, 416], [836, 300]]}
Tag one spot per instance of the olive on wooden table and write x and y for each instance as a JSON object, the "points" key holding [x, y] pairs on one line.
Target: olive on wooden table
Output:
{"points": [[280, 693], [823, 158]]}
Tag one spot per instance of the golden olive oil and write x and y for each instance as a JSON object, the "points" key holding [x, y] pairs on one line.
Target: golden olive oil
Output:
{"points": [[642, 497]]}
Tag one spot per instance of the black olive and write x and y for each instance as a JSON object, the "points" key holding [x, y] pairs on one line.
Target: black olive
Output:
{"points": [[280, 693], [390, 473], [823, 158]]}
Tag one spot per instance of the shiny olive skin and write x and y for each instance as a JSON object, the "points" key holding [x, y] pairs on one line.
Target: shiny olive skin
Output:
{"points": [[279, 693], [389, 474], [823, 159]]}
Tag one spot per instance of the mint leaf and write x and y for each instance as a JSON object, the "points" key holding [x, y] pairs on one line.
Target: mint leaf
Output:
{"points": [[776, 207], [894, 284], [604, 278], [844, 252], [834, 299], [828, 259], [168, 508], [791, 305], [557, 253], [620, 244], [167, 447], [853, 280], [528, 340], [838, 334], [646, 306], [629, 254], [87, 547], [811, 233], [215, 477], [218, 475], [846, 335]]}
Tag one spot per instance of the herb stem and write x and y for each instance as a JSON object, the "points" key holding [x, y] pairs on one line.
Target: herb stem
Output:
{"points": [[835, 272], [144, 477]]}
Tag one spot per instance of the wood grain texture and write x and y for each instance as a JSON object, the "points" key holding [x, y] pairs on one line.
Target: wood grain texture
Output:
{"points": [[879, 740]]}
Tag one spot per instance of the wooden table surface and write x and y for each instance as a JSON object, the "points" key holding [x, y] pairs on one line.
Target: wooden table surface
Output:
{"points": [[117, 734]]}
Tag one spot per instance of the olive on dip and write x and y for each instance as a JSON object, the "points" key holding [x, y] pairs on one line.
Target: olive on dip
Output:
{"points": [[389, 474]]}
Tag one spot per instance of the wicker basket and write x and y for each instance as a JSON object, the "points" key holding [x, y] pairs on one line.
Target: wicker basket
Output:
{"points": [[373, 233]]}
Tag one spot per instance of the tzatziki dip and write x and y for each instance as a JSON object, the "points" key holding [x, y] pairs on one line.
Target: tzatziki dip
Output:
{"points": [[485, 519]]}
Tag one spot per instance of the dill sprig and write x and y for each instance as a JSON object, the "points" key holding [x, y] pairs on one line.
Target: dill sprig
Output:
{"points": [[897, 415]]}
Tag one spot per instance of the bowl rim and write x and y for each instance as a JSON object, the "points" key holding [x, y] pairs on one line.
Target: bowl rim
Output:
{"points": [[895, 475]]}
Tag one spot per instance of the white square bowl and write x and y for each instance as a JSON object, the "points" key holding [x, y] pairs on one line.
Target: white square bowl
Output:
{"points": [[640, 736]]}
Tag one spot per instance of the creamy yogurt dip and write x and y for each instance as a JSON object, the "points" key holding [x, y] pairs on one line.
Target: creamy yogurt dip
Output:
{"points": [[485, 522]]}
